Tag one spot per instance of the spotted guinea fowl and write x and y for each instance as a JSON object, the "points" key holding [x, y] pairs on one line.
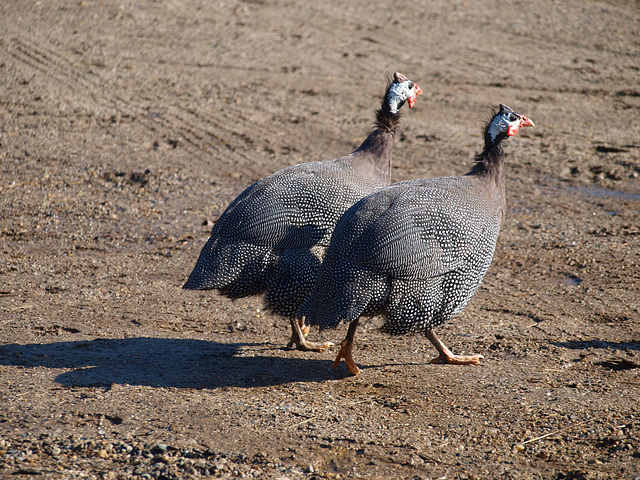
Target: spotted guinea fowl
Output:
{"points": [[416, 251], [272, 237]]}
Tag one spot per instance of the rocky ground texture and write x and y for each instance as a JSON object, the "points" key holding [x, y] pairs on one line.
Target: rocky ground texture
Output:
{"points": [[127, 127]]}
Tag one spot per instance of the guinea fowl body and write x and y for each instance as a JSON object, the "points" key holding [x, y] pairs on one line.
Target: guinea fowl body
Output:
{"points": [[272, 237], [415, 251]]}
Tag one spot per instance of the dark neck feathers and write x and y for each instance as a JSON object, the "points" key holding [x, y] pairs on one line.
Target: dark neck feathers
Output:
{"points": [[375, 153], [382, 137], [489, 170], [385, 120], [491, 160]]}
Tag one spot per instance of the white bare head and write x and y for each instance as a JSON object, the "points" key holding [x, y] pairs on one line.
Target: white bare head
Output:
{"points": [[401, 90]]}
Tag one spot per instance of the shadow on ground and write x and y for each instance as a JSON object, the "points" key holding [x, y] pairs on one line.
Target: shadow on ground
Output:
{"points": [[164, 362], [585, 345]]}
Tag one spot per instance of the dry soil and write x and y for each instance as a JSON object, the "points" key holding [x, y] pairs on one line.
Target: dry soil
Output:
{"points": [[128, 126]]}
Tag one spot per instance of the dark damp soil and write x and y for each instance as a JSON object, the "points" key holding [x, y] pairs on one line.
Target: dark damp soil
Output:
{"points": [[127, 127]]}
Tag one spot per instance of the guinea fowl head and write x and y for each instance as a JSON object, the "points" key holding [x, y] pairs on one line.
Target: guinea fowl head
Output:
{"points": [[400, 90], [505, 123]]}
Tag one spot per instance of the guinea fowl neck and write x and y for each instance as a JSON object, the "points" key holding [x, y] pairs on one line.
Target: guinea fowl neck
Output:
{"points": [[490, 163], [489, 169], [376, 151]]}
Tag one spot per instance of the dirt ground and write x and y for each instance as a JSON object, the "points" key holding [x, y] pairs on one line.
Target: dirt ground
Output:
{"points": [[126, 128]]}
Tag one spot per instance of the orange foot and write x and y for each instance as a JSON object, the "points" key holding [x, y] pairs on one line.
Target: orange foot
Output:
{"points": [[345, 353], [458, 359], [446, 356], [299, 332]]}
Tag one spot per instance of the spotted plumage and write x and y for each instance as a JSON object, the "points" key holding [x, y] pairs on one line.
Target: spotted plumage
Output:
{"points": [[415, 251], [272, 237]]}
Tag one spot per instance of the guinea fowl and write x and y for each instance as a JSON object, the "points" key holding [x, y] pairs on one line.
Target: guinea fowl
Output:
{"points": [[416, 251], [273, 236]]}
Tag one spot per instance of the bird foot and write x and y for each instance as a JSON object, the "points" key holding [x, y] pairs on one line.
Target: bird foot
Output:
{"points": [[345, 353], [458, 359], [305, 345], [298, 338], [446, 356]]}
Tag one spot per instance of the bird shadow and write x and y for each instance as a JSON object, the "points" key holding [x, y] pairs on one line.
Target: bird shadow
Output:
{"points": [[166, 362], [584, 345]]}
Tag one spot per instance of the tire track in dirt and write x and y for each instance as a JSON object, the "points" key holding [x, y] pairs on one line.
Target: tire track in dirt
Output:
{"points": [[230, 137], [175, 122], [443, 55]]}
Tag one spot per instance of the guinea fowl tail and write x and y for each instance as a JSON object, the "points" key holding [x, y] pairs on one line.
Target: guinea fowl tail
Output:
{"points": [[237, 270]]}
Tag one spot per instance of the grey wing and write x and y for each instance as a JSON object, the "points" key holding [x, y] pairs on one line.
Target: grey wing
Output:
{"points": [[427, 230], [275, 211]]}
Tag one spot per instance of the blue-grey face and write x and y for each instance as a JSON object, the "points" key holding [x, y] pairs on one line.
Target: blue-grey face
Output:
{"points": [[507, 122]]}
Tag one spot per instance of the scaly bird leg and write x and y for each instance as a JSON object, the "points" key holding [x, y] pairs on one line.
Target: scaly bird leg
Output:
{"points": [[345, 350], [446, 356], [299, 332]]}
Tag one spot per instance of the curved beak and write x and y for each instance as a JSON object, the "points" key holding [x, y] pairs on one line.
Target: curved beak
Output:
{"points": [[526, 122]]}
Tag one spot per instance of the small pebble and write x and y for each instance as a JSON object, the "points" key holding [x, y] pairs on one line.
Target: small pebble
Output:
{"points": [[160, 448], [102, 454]]}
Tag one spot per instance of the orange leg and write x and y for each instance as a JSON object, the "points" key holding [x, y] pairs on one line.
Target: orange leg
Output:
{"points": [[446, 356], [345, 350], [299, 332]]}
